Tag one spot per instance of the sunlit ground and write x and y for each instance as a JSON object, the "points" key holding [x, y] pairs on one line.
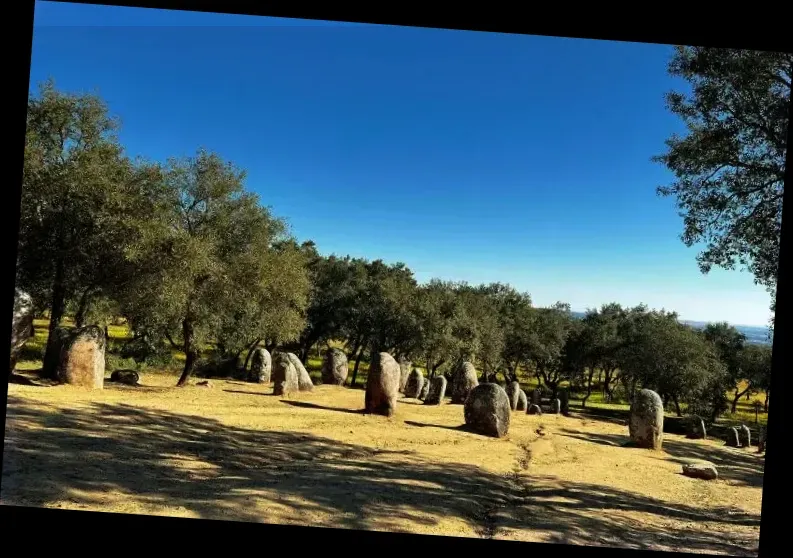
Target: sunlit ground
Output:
{"points": [[234, 451]]}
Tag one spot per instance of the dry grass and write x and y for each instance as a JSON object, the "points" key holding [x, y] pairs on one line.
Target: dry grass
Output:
{"points": [[234, 451]]}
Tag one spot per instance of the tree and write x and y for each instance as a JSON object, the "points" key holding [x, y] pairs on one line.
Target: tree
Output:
{"points": [[203, 229], [78, 194], [439, 313], [754, 362], [729, 343], [549, 335], [729, 169]]}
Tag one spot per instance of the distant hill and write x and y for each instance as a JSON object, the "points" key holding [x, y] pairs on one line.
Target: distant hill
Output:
{"points": [[754, 334]]}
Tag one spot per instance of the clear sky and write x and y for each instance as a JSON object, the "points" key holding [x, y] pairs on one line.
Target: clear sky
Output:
{"points": [[468, 156]]}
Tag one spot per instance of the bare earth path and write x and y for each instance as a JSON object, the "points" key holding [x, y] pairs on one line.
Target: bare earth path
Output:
{"points": [[236, 452]]}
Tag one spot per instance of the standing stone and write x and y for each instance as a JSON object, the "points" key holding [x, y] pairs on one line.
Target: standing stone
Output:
{"points": [[534, 410], [463, 381], [745, 436], [404, 373], [335, 367], [414, 384], [733, 438], [303, 379], [536, 396], [523, 401], [82, 358], [382, 385], [646, 425], [513, 392], [696, 428], [556, 406], [704, 471], [261, 366], [21, 324], [425, 389], [284, 375], [487, 410], [437, 391], [564, 398]]}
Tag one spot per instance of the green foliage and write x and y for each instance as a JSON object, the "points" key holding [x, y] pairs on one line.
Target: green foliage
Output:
{"points": [[729, 169]]}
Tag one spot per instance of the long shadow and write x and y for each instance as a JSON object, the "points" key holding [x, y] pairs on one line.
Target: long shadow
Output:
{"points": [[307, 405], [219, 471], [248, 392], [461, 428], [739, 466]]}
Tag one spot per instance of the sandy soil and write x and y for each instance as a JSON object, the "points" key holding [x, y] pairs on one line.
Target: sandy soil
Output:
{"points": [[234, 451]]}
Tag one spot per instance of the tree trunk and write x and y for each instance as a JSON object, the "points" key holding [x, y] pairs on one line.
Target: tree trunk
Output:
{"points": [[57, 306], [737, 397], [251, 348], [589, 387], [765, 405], [677, 407], [607, 378], [357, 364], [189, 352], [82, 308]]}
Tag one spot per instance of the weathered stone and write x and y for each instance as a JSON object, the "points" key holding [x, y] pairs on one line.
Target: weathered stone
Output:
{"points": [[534, 410], [425, 389], [646, 424], [405, 367], [556, 406], [733, 438], [284, 375], [705, 471], [82, 358], [523, 401], [437, 391], [335, 367], [21, 324], [536, 396], [487, 410], [205, 384], [745, 436], [564, 398], [261, 366], [761, 440], [696, 428], [382, 385], [463, 381], [124, 376], [513, 392], [414, 384], [303, 379]]}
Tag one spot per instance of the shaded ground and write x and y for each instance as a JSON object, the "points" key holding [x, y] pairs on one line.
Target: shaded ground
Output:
{"points": [[236, 452]]}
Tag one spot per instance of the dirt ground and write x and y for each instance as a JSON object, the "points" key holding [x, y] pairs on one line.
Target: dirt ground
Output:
{"points": [[234, 451]]}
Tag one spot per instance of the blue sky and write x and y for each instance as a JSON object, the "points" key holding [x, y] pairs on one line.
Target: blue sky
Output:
{"points": [[468, 156]]}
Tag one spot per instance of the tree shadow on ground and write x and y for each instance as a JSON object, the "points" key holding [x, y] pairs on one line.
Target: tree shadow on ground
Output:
{"points": [[307, 405], [739, 466], [270, 394], [82, 454], [461, 428]]}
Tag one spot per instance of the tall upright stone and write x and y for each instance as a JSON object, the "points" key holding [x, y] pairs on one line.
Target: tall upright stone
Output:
{"points": [[382, 385], [335, 367], [82, 358], [261, 366], [425, 389], [733, 438], [564, 399], [487, 410], [285, 376], [745, 436], [303, 379], [556, 406], [405, 367], [21, 325], [523, 402], [536, 396], [696, 428], [513, 392], [414, 384], [646, 424], [437, 391], [761, 439], [463, 381]]}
